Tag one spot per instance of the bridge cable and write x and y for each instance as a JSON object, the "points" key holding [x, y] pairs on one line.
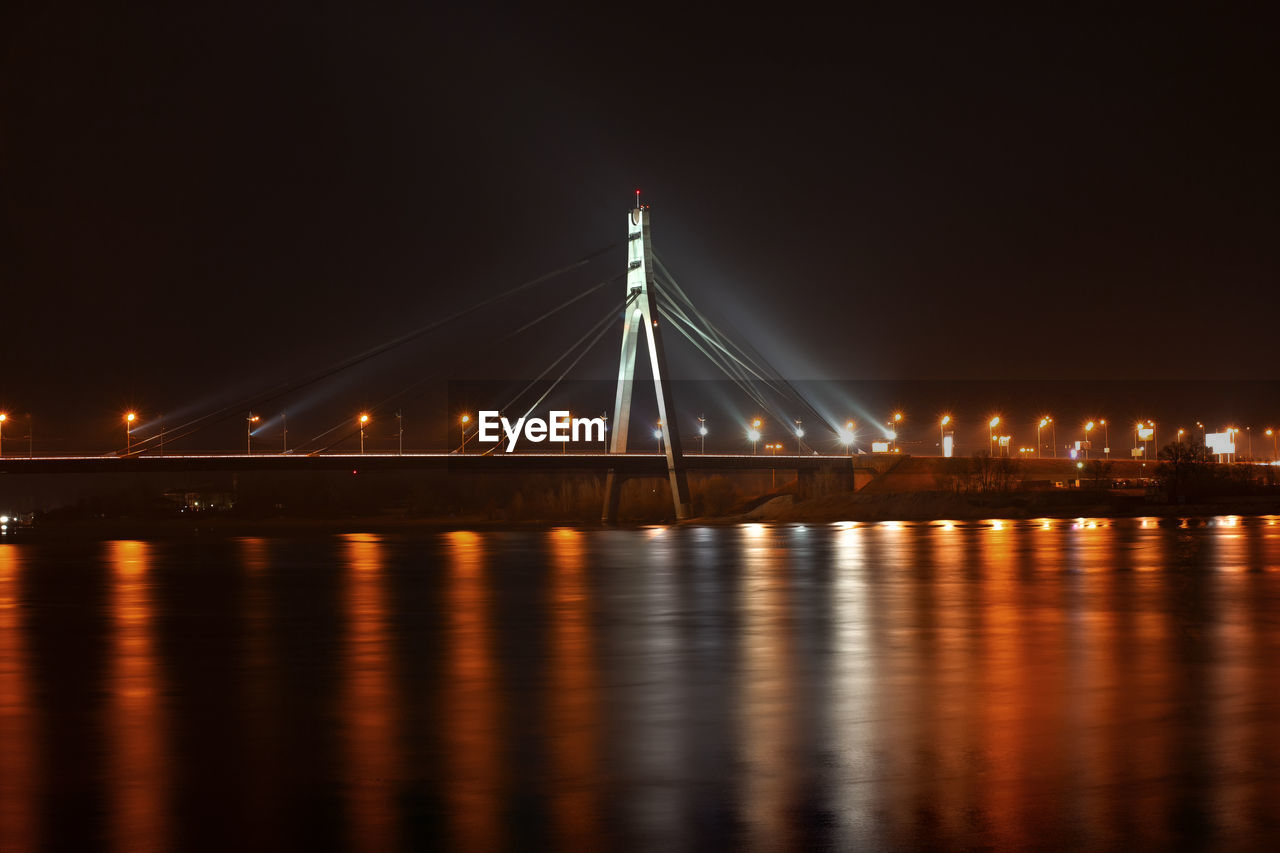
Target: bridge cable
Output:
{"points": [[194, 425], [400, 394], [790, 389]]}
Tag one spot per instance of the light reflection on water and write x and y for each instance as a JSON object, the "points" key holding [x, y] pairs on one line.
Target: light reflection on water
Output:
{"points": [[1041, 683], [136, 724]]}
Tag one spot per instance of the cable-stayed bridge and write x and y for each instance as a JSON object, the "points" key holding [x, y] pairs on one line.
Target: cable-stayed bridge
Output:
{"points": [[651, 302]]}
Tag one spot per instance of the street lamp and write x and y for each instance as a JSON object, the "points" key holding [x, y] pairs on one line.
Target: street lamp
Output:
{"points": [[799, 435], [364, 419], [1275, 444], [657, 434], [3, 418], [894, 423], [1044, 422], [399, 433], [702, 433], [847, 435], [942, 434], [753, 434], [1088, 428], [464, 420], [993, 423], [248, 433], [128, 431]]}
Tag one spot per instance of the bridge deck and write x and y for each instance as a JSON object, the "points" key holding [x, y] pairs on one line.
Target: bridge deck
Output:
{"points": [[633, 464]]}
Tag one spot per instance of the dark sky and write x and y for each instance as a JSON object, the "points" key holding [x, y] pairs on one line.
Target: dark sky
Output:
{"points": [[196, 201]]}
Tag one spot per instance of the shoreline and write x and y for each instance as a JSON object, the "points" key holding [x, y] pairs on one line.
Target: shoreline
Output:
{"points": [[806, 512]]}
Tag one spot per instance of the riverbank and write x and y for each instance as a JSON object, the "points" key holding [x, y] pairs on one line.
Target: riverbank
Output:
{"points": [[935, 506]]}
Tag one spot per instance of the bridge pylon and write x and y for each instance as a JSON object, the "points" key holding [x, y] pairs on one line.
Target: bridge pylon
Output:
{"points": [[640, 314]]}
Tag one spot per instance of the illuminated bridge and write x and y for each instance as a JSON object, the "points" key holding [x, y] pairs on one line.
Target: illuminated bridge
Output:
{"points": [[650, 296]]}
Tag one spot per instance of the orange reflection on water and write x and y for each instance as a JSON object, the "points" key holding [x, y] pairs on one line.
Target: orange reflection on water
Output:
{"points": [[265, 719], [767, 710], [19, 766], [574, 697], [472, 741], [140, 771], [369, 710]]}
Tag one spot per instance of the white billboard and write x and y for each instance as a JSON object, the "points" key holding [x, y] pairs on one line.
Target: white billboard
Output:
{"points": [[1221, 443], [879, 447], [1146, 433]]}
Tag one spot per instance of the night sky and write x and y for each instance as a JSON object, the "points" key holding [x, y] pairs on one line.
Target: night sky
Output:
{"points": [[199, 202]]}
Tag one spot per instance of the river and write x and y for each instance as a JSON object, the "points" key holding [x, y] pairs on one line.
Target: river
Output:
{"points": [[1049, 684]]}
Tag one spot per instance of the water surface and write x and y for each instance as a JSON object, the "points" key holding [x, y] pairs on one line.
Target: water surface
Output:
{"points": [[1052, 684]]}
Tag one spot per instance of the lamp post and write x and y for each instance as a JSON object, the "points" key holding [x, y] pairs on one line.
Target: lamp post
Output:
{"points": [[1044, 422], [248, 433], [1275, 443], [128, 431], [753, 434], [1088, 428], [399, 434], [702, 433], [894, 423], [464, 420], [1106, 438], [942, 434], [284, 432], [848, 435], [364, 419], [799, 435], [993, 423], [657, 434], [3, 418]]}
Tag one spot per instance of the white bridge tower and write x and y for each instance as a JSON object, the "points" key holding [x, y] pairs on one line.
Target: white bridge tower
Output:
{"points": [[640, 314]]}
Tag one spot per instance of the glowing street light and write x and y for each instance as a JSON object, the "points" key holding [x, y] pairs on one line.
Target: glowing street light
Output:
{"points": [[848, 434], [799, 435], [657, 434], [894, 423], [128, 431], [993, 423], [364, 419], [1275, 444], [1088, 428], [753, 434], [702, 433], [464, 420], [248, 432], [1044, 422], [3, 418], [942, 434]]}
